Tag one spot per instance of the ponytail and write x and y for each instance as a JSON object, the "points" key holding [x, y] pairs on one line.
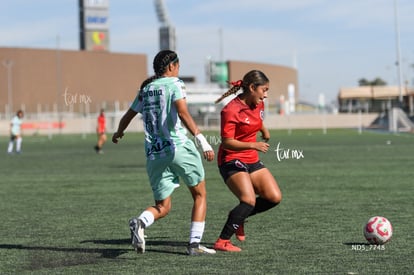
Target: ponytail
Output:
{"points": [[254, 77], [236, 86], [145, 83]]}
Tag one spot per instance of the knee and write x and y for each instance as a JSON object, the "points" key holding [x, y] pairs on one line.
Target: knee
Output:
{"points": [[250, 200], [199, 192], [162, 210], [277, 198], [272, 196]]}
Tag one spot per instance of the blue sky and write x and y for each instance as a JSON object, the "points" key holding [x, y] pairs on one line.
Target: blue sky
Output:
{"points": [[333, 43]]}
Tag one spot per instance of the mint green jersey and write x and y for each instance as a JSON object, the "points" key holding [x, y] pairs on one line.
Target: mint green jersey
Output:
{"points": [[163, 129]]}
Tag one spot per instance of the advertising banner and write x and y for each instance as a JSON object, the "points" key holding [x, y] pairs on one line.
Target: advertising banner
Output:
{"points": [[96, 19], [219, 73], [94, 25], [97, 40], [96, 4]]}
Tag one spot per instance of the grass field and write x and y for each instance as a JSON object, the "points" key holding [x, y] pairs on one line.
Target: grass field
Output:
{"points": [[64, 209]]}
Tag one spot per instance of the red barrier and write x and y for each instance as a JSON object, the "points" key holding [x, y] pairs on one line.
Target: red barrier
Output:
{"points": [[43, 125]]}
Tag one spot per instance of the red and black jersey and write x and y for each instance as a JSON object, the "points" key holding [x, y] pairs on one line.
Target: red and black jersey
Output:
{"points": [[101, 124], [241, 122]]}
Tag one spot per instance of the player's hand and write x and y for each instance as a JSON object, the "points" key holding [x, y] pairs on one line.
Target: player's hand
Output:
{"points": [[262, 146], [208, 151], [117, 136], [208, 155]]}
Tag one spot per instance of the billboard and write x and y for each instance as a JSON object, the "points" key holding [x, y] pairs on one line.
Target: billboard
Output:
{"points": [[219, 73], [96, 19], [94, 25], [96, 4], [97, 40]]}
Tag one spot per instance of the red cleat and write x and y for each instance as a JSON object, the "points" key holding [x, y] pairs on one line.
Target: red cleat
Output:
{"points": [[226, 245]]}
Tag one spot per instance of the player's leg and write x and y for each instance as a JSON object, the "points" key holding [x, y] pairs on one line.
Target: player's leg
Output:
{"points": [[198, 217], [268, 190], [101, 140], [162, 185], [189, 166], [241, 186], [11, 144], [145, 220], [19, 144]]}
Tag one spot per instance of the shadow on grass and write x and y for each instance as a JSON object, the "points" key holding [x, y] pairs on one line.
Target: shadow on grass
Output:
{"points": [[111, 253], [150, 244], [157, 246]]}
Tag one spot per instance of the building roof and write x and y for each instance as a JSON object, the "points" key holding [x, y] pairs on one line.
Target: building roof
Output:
{"points": [[374, 92]]}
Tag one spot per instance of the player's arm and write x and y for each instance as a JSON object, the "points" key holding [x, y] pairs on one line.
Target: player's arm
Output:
{"points": [[237, 145], [190, 124], [186, 117], [123, 124], [265, 133], [229, 124]]}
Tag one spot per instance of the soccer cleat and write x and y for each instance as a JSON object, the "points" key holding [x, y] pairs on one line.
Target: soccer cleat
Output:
{"points": [[226, 245], [240, 233], [195, 249], [137, 235]]}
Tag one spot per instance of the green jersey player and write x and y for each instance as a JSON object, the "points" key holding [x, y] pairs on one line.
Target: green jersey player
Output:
{"points": [[170, 153]]}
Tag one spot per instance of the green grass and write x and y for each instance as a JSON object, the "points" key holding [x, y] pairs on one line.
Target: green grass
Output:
{"points": [[64, 209]]}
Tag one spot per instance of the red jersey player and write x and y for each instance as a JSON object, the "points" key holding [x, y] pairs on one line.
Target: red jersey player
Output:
{"points": [[101, 132], [238, 159], [240, 122]]}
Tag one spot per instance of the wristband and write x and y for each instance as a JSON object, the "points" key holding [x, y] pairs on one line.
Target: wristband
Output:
{"points": [[203, 142]]}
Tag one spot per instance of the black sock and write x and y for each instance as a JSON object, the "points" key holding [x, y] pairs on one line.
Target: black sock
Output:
{"points": [[262, 205], [236, 217]]}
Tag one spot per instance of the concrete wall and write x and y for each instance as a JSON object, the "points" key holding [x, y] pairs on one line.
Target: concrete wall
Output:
{"points": [[69, 80], [48, 80], [319, 121]]}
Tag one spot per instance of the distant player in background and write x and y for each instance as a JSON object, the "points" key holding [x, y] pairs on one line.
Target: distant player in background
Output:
{"points": [[101, 132], [15, 132], [238, 158]]}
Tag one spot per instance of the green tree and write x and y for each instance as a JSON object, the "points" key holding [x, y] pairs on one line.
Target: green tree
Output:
{"points": [[363, 82], [376, 82]]}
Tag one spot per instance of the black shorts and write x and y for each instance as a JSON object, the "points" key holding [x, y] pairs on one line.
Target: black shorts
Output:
{"points": [[232, 167], [13, 137]]}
